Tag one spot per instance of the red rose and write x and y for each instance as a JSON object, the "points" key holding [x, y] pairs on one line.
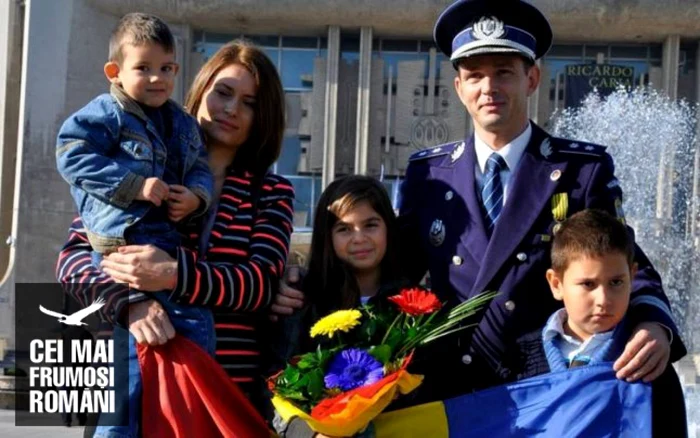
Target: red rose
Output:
{"points": [[416, 301]]}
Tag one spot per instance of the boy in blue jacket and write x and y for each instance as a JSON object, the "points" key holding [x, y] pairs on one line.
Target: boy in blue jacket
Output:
{"points": [[592, 271], [137, 166]]}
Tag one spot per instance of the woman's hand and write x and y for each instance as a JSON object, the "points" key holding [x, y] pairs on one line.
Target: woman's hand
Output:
{"points": [[149, 323], [143, 267], [288, 300]]}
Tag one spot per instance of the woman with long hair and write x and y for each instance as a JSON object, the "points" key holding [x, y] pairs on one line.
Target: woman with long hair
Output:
{"points": [[233, 257]]}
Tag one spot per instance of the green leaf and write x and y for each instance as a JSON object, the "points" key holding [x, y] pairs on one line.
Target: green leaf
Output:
{"points": [[381, 352], [294, 395], [306, 363], [316, 385], [291, 375]]}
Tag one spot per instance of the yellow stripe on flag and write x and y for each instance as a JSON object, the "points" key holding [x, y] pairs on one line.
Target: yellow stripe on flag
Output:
{"points": [[427, 420]]}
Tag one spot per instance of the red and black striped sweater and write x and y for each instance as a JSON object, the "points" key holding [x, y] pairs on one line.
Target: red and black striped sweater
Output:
{"points": [[237, 275]]}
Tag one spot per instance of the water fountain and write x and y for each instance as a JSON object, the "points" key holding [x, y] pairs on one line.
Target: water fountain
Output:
{"points": [[653, 142]]}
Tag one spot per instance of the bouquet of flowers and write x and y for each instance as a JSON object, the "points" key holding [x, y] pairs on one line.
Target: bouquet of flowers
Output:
{"points": [[361, 367]]}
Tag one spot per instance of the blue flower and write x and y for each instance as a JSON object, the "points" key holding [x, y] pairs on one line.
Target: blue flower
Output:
{"points": [[353, 368]]}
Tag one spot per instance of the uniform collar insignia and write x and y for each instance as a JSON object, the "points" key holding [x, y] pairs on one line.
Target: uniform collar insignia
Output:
{"points": [[546, 148], [457, 152]]}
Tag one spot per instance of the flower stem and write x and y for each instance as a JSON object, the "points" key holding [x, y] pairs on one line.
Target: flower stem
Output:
{"points": [[393, 323]]}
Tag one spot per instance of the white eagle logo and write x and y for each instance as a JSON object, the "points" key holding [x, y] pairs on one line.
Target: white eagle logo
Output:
{"points": [[77, 317]]}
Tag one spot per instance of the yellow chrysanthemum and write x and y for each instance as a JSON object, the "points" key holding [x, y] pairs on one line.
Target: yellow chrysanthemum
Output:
{"points": [[342, 320]]}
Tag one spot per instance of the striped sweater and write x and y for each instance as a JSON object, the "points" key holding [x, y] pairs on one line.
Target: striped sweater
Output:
{"points": [[237, 274]]}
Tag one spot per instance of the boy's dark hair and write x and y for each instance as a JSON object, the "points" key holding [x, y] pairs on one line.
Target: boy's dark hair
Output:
{"points": [[137, 29], [591, 233]]}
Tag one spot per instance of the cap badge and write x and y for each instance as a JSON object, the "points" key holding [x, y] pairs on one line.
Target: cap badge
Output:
{"points": [[488, 28]]}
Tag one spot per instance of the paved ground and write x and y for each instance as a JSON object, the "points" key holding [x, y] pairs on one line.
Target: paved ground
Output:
{"points": [[9, 430]]}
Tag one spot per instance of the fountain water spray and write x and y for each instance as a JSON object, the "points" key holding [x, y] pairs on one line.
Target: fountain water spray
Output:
{"points": [[653, 141]]}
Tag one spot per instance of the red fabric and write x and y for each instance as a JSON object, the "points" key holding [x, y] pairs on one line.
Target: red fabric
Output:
{"points": [[186, 393]]}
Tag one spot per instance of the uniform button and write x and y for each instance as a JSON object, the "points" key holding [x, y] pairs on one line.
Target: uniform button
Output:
{"points": [[449, 195], [129, 221], [466, 359], [457, 260], [521, 256], [509, 305]]}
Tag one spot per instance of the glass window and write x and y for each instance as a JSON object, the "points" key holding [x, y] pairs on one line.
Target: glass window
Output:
{"points": [[399, 45], [630, 52], [426, 45], [349, 43], [264, 40], [687, 55], [300, 42], [346, 121], [218, 38], [303, 201], [298, 68], [593, 51], [565, 50], [393, 60]]}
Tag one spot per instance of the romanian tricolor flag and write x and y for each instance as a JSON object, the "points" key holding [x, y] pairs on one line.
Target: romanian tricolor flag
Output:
{"points": [[582, 402]]}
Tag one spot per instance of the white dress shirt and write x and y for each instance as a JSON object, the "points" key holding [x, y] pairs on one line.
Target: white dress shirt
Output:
{"points": [[511, 153], [572, 348]]}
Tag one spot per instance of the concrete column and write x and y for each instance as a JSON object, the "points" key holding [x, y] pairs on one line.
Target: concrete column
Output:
{"points": [[695, 212], [183, 49], [669, 85], [533, 102], [670, 62], [330, 112], [363, 101], [11, 17], [11, 28], [39, 214]]}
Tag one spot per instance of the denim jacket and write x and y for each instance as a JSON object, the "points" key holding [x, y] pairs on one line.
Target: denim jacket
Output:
{"points": [[109, 147]]}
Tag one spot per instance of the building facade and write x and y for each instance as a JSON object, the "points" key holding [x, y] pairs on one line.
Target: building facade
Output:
{"points": [[365, 88]]}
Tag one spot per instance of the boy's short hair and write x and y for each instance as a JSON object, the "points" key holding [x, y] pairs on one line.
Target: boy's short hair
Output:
{"points": [[590, 233], [137, 29]]}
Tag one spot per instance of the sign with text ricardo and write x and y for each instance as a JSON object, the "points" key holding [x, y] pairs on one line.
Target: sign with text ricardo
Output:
{"points": [[69, 359], [583, 78]]}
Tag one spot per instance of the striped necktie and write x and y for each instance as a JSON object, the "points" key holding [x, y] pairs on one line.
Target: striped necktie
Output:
{"points": [[492, 192]]}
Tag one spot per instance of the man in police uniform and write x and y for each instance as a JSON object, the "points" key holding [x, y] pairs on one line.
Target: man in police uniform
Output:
{"points": [[480, 214]]}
